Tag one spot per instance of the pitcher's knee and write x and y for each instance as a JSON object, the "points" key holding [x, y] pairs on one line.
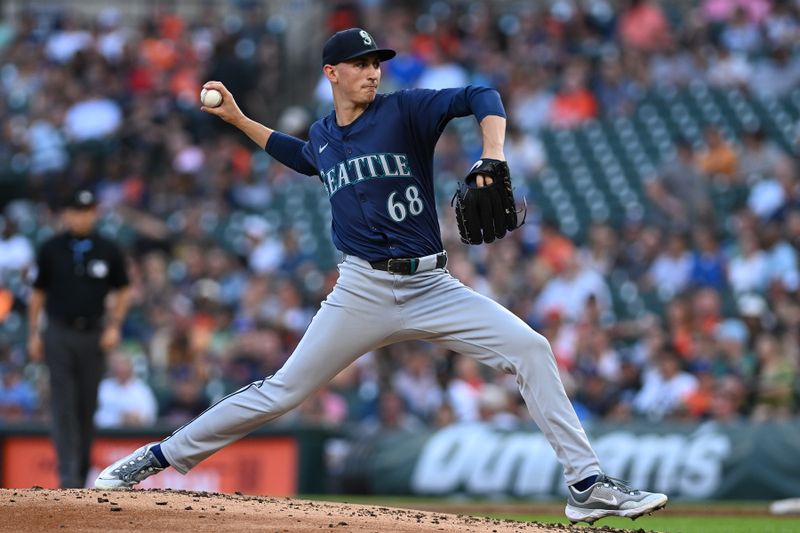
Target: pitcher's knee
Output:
{"points": [[280, 399], [540, 346], [529, 348], [533, 344], [287, 401]]}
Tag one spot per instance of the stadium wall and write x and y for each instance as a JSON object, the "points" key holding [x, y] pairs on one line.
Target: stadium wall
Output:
{"points": [[273, 462], [690, 462]]}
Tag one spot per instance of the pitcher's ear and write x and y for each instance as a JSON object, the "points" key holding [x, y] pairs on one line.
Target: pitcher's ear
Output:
{"points": [[330, 72]]}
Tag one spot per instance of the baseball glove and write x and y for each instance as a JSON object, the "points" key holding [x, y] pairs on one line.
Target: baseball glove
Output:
{"points": [[486, 213]]}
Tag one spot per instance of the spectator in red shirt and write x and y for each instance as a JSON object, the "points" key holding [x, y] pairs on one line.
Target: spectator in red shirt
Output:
{"points": [[574, 103]]}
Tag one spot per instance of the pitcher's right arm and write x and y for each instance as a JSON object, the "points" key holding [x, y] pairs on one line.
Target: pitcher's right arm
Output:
{"points": [[289, 150]]}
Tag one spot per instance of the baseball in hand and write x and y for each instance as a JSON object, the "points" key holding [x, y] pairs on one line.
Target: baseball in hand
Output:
{"points": [[211, 97]]}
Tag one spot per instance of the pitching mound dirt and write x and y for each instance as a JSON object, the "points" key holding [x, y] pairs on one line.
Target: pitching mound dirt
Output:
{"points": [[158, 510]]}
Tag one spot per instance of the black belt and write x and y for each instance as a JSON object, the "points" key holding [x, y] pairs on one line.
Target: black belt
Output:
{"points": [[411, 265], [80, 323]]}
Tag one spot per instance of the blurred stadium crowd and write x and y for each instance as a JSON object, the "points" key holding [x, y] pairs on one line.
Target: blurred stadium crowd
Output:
{"points": [[656, 143]]}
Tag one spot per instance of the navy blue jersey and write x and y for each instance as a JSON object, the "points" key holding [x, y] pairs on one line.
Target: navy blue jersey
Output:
{"points": [[377, 170]]}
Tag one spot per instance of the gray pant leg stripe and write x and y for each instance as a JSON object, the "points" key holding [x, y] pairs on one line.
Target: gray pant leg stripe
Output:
{"points": [[234, 393]]}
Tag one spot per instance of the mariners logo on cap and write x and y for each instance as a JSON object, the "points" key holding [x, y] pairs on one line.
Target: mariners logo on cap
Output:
{"points": [[351, 44]]}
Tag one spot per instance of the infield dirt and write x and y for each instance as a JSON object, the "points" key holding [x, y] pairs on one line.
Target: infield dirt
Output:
{"points": [[24, 510]]}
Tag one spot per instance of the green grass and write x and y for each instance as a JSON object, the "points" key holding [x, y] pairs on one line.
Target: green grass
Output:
{"points": [[682, 524], [679, 517]]}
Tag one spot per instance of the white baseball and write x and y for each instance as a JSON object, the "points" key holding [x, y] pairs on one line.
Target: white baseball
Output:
{"points": [[211, 97]]}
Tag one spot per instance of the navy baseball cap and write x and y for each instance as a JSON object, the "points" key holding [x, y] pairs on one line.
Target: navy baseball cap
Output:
{"points": [[82, 199], [350, 44]]}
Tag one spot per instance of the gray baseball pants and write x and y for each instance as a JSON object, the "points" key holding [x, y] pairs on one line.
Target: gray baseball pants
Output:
{"points": [[371, 308]]}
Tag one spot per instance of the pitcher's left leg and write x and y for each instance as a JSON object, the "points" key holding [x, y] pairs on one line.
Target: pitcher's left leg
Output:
{"points": [[466, 322], [469, 323]]}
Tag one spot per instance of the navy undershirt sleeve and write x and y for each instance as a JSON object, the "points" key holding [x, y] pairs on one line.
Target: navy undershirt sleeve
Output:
{"points": [[292, 152], [484, 101]]}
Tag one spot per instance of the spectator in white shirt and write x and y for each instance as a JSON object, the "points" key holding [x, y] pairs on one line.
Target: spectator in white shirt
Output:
{"points": [[16, 251], [742, 34], [775, 74], [67, 40], [748, 269], [569, 292], [265, 249], [781, 257], [462, 391], [671, 271], [728, 69], [665, 387], [123, 399], [416, 383], [495, 407], [524, 152], [530, 101], [92, 118], [442, 72]]}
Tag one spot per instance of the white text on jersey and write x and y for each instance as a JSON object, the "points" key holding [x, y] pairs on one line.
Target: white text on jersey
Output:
{"points": [[365, 167]]}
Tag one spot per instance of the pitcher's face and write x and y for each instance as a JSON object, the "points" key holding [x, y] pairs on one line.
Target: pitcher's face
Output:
{"points": [[358, 80]]}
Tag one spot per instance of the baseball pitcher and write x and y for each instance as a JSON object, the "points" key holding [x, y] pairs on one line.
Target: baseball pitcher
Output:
{"points": [[374, 155]]}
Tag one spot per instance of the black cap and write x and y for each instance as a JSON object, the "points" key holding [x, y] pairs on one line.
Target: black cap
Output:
{"points": [[350, 44], [82, 199]]}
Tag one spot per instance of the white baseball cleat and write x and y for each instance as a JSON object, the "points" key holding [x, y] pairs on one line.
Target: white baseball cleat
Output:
{"points": [[611, 497], [129, 470], [787, 506]]}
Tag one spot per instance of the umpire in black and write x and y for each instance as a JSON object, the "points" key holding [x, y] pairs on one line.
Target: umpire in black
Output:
{"points": [[77, 270]]}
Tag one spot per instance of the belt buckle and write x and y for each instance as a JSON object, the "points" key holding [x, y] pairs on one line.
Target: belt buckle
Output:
{"points": [[389, 267]]}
